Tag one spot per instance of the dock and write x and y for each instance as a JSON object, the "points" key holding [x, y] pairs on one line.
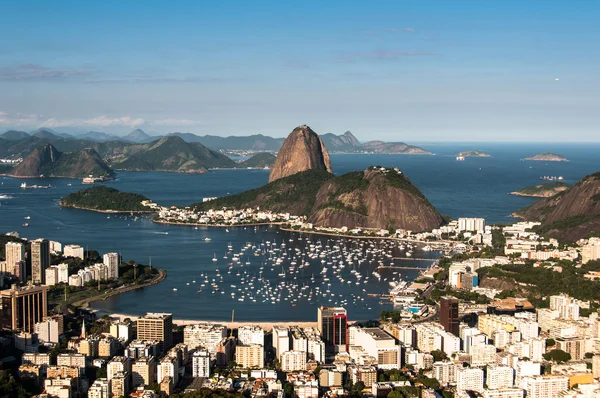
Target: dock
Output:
{"points": [[400, 267], [414, 258]]}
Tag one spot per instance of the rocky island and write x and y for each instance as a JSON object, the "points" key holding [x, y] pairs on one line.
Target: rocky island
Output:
{"points": [[542, 190], [547, 157], [569, 215], [478, 154], [106, 200]]}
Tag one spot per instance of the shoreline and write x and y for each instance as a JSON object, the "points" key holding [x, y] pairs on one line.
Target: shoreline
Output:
{"points": [[265, 325], [215, 225], [85, 303], [106, 211]]}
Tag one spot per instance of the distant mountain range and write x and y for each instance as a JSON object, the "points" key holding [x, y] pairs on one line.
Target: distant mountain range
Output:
{"points": [[19, 143]]}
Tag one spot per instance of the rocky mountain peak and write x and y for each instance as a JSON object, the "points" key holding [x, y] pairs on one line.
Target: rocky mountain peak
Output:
{"points": [[302, 150]]}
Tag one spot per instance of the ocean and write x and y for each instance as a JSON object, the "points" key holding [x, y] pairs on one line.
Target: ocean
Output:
{"points": [[476, 187]]}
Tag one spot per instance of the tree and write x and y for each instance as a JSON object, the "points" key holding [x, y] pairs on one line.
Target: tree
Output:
{"points": [[550, 342], [558, 356], [438, 355], [395, 394]]}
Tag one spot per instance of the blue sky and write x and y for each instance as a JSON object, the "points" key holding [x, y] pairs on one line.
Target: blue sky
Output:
{"points": [[400, 70]]}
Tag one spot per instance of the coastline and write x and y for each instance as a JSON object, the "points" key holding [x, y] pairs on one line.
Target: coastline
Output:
{"points": [[215, 225], [265, 325], [85, 303], [107, 211]]}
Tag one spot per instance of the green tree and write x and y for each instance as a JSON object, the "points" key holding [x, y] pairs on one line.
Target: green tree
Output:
{"points": [[395, 394], [558, 356]]}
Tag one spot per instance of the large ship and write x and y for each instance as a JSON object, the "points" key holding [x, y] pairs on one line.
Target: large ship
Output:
{"points": [[552, 178], [25, 186]]}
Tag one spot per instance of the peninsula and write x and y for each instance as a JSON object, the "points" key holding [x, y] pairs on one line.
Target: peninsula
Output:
{"points": [[106, 200], [474, 154], [547, 157], [542, 190]]}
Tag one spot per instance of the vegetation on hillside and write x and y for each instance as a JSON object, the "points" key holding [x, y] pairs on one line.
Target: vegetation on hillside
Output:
{"points": [[297, 192], [260, 160], [542, 190], [104, 198]]}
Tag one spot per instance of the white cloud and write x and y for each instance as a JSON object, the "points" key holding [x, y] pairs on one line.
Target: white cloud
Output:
{"points": [[176, 122], [114, 121]]}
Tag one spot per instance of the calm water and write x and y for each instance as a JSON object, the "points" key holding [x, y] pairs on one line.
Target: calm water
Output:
{"points": [[476, 187]]}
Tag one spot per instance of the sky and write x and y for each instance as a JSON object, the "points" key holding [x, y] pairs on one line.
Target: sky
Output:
{"points": [[398, 70]]}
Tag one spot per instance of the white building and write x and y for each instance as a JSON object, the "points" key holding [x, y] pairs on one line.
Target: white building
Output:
{"points": [[168, 367], [504, 393], [48, 331], [111, 260], [63, 273], [471, 224], [75, 280], [468, 379], [380, 345], [499, 377], [204, 335], [100, 389], [251, 334], [201, 364], [121, 331], [51, 275], [281, 340], [445, 372], [292, 361], [116, 365], [73, 251], [545, 386]]}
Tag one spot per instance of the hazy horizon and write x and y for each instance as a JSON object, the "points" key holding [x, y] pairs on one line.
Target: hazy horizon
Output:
{"points": [[394, 71]]}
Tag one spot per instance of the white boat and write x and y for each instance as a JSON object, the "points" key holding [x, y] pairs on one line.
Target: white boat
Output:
{"points": [[174, 289], [207, 239]]}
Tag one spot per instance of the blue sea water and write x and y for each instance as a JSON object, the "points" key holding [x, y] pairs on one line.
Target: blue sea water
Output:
{"points": [[476, 187]]}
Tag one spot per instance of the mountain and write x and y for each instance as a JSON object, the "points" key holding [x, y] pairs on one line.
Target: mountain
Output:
{"points": [[46, 134], [571, 214], [380, 198], [13, 135], [98, 136], [138, 136], [260, 160], [346, 142], [302, 150], [49, 162], [256, 142], [374, 198], [396, 148], [174, 154]]}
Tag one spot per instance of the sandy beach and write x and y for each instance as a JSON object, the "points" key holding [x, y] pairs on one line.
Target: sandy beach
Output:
{"points": [[267, 326]]}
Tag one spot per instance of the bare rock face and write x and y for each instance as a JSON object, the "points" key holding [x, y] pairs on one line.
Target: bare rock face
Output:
{"points": [[302, 150]]}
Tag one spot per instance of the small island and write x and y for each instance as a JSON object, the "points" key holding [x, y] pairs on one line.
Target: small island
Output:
{"points": [[473, 154], [542, 190], [547, 157], [106, 200], [262, 160]]}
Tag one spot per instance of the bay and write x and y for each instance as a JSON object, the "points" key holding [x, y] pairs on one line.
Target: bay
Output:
{"points": [[476, 187]]}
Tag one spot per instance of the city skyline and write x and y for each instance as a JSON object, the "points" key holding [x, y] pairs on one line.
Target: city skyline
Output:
{"points": [[400, 71]]}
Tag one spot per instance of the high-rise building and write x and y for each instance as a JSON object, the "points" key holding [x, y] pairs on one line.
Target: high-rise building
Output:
{"points": [[51, 275], [499, 377], [23, 307], [449, 314], [281, 340], [204, 335], [333, 326], [100, 389], [143, 371], [250, 356], [201, 363], [545, 386], [156, 326], [468, 379], [251, 334], [15, 259], [116, 365], [168, 367], [120, 384], [63, 273], [292, 361], [40, 260], [111, 260], [73, 251]]}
